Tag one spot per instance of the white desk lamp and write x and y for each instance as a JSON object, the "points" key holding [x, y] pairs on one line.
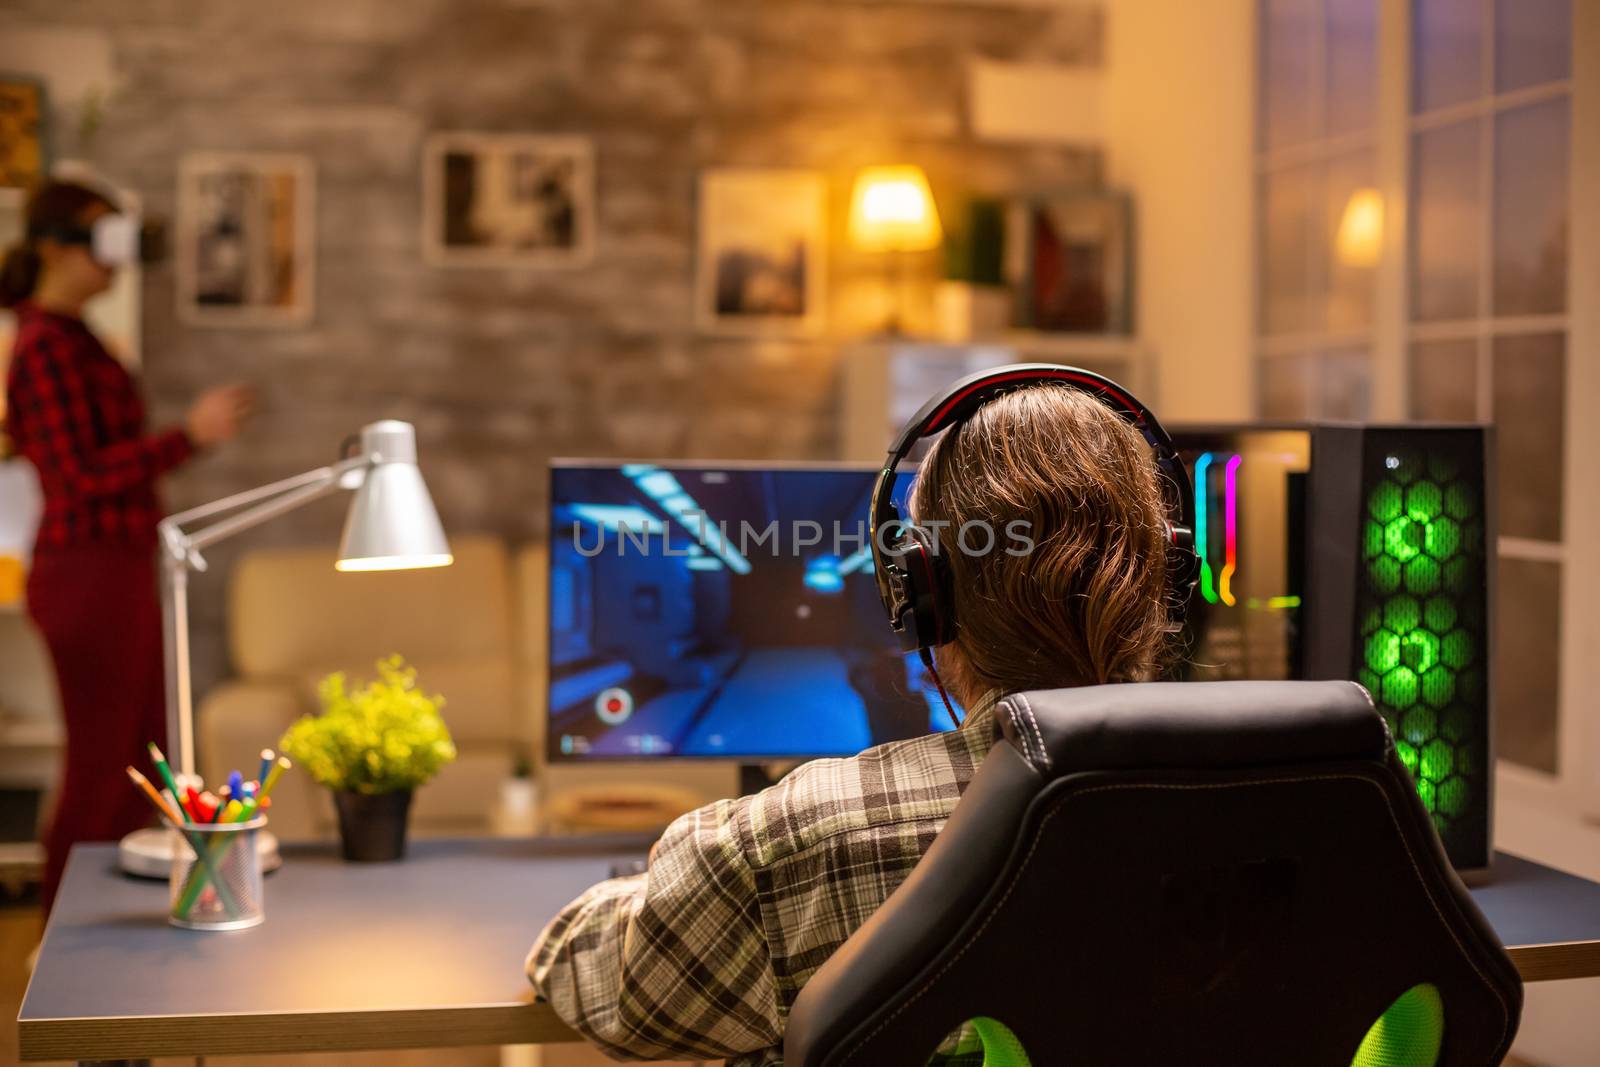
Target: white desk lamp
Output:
{"points": [[391, 525]]}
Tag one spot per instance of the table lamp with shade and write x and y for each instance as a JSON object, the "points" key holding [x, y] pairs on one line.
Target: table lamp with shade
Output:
{"points": [[892, 212], [391, 525]]}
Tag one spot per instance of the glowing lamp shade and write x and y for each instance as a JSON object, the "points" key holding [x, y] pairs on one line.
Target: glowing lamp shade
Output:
{"points": [[1360, 238], [392, 524], [892, 210]]}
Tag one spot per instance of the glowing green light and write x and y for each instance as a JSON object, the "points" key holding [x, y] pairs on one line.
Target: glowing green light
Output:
{"points": [[1456, 649], [1419, 725], [1439, 686], [1460, 503], [1369, 679], [1403, 538], [1438, 759], [1371, 621], [1457, 575], [1440, 614], [1419, 650], [1425, 790], [1453, 795], [1372, 539], [1399, 687], [1423, 502], [1282, 603], [1422, 576], [1402, 614], [1385, 575], [1385, 504], [1408, 756], [1383, 652], [1441, 539]]}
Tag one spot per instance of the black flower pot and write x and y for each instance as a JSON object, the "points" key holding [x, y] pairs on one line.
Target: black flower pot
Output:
{"points": [[372, 826]]}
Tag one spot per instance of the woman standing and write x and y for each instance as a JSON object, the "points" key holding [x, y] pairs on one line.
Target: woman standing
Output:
{"points": [[77, 415]]}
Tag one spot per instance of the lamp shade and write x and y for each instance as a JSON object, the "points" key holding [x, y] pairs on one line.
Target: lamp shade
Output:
{"points": [[892, 210], [1359, 242], [392, 524]]}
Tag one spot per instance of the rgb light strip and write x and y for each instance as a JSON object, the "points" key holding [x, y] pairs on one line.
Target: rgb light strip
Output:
{"points": [[1202, 535], [1215, 589], [1231, 533]]}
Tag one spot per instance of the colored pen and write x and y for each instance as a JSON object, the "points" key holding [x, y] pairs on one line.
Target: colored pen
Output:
{"points": [[166, 776], [156, 798], [235, 784], [267, 756]]}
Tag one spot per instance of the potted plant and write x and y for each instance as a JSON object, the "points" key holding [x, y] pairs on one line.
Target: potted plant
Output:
{"points": [[372, 746]]}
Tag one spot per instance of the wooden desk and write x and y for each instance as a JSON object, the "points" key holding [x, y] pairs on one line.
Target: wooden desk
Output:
{"points": [[429, 952]]}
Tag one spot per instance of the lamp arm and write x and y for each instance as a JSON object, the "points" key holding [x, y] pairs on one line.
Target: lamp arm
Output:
{"points": [[269, 502], [181, 551]]}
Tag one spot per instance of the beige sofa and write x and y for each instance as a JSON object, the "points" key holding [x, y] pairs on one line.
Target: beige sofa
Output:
{"points": [[292, 619], [475, 632]]}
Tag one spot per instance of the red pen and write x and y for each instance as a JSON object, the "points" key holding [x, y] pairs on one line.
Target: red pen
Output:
{"points": [[206, 807], [192, 802]]}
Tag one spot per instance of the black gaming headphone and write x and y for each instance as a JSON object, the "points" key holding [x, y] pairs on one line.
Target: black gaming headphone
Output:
{"points": [[914, 577]]}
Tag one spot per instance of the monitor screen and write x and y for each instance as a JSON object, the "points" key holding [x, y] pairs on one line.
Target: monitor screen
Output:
{"points": [[721, 612], [1244, 620]]}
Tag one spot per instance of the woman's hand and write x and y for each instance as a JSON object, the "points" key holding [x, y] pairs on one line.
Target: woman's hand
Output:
{"points": [[219, 414]]}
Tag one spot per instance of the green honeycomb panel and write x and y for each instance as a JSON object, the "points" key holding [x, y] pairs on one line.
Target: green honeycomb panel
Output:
{"points": [[1439, 614], [1422, 626], [1424, 502], [1419, 725], [1422, 576], [1419, 650]]}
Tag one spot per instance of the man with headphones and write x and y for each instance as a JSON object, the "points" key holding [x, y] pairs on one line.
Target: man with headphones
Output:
{"points": [[703, 954]]}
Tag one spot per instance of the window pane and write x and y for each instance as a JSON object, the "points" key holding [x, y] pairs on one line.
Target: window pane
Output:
{"points": [[1286, 72], [1444, 381], [1352, 235], [1286, 230], [1530, 428], [1285, 387], [1344, 385], [1530, 209], [1532, 42], [1352, 45], [1445, 245], [1447, 53], [1527, 662]]}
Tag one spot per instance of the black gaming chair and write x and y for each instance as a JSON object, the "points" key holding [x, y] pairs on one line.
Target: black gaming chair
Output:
{"points": [[1200, 873]]}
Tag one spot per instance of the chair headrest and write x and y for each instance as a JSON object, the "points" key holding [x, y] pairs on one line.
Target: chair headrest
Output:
{"points": [[1157, 725]]}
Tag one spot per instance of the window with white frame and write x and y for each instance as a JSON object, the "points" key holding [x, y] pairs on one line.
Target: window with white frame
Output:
{"points": [[1319, 217], [1483, 129]]}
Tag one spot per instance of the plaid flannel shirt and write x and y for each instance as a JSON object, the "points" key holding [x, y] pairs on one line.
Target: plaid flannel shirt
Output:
{"points": [[75, 413], [704, 955]]}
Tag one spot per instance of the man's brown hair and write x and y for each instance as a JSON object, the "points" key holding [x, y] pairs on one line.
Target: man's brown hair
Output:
{"points": [[1088, 602]]}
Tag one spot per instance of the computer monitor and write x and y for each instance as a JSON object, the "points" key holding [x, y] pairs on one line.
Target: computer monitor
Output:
{"points": [[723, 612]]}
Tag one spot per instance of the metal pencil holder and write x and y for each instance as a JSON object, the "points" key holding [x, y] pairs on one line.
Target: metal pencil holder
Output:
{"points": [[216, 876]]}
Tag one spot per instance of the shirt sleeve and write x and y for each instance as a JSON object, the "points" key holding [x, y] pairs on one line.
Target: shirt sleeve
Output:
{"points": [[673, 962], [53, 422]]}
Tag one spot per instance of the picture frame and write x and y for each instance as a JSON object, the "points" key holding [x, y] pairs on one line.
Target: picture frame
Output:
{"points": [[508, 200], [1070, 262], [244, 239], [761, 263], [24, 131]]}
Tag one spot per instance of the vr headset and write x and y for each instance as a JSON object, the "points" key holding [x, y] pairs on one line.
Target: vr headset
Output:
{"points": [[113, 240]]}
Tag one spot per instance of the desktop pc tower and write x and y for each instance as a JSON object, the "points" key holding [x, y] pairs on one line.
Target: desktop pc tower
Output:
{"points": [[1359, 552]]}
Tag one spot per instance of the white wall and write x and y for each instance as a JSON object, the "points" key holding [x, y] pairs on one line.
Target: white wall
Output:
{"points": [[1179, 114]]}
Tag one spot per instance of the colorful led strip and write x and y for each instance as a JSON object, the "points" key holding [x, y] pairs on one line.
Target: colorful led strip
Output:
{"points": [[1231, 510], [1202, 543]]}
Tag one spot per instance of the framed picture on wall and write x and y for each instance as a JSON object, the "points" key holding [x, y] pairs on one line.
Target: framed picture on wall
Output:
{"points": [[507, 200], [23, 159], [762, 252], [244, 239], [1070, 262]]}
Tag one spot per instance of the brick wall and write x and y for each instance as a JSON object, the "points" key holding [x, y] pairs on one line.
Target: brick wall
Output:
{"points": [[501, 369]]}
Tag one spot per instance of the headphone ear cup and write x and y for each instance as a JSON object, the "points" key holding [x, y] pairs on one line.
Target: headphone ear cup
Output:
{"points": [[1183, 569], [920, 605]]}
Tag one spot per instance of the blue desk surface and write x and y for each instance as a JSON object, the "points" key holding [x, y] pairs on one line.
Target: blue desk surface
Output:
{"points": [[429, 952]]}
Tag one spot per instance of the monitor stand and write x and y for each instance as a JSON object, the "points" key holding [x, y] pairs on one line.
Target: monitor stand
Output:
{"points": [[754, 777]]}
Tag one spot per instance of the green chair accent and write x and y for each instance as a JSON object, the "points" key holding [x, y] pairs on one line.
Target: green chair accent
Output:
{"points": [[1000, 1046], [1407, 1034]]}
